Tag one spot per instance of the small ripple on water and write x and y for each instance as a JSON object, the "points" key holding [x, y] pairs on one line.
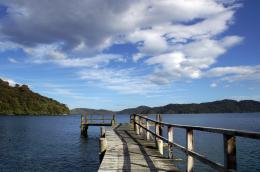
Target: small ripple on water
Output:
{"points": [[54, 143]]}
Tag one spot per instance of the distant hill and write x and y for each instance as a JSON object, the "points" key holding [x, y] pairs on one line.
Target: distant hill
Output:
{"points": [[222, 106], [139, 109], [20, 100], [90, 111]]}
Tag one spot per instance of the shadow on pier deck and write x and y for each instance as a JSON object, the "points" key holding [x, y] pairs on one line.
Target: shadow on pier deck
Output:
{"points": [[140, 145], [127, 151]]}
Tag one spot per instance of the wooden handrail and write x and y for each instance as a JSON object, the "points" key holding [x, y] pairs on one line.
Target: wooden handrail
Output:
{"points": [[228, 138], [85, 119], [240, 133], [100, 119]]}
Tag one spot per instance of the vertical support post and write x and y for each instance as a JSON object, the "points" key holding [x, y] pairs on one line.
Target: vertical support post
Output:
{"points": [[141, 123], [131, 119], [160, 146], [134, 121], [113, 122], [147, 127], [84, 130], [170, 138], [156, 132], [158, 142], [102, 144], [82, 119], [102, 131], [230, 161], [137, 128], [189, 146], [159, 119], [83, 126]]}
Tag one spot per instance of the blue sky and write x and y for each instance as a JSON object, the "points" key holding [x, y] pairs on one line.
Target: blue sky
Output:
{"points": [[101, 54]]}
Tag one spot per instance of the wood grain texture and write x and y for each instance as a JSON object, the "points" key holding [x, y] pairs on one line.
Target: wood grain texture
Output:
{"points": [[127, 151]]}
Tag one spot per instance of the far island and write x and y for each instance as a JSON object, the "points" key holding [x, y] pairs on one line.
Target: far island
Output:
{"points": [[20, 100]]}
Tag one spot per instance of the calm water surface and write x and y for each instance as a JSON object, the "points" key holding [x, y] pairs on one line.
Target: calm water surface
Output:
{"points": [[53, 143]]}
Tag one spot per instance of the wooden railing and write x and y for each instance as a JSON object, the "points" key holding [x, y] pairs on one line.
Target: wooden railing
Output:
{"points": [[142, 122], [88, 119]]}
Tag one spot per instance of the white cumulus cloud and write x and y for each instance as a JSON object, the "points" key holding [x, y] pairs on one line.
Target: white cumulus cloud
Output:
{"points": [[176, 39]]}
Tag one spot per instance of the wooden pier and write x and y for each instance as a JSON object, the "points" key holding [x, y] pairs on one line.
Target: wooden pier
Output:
{"points": [[140, 146], [127, 151], [87, 121]]}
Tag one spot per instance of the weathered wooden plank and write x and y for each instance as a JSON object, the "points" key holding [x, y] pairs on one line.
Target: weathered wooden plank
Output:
{"points": [[127, 151]]}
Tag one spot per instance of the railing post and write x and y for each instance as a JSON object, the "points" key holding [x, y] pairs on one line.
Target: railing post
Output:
{"points": [[147, 127], [160, 146], [131, 119], [189, 142], [170, 139], [230, 161], [84, 126], [158, 142], [102, 131], [141, 123], [159, 119], [157, 133], [82, 119], [134, 121], [136, 125], [102, 144], [113, 120], [81, 124]]}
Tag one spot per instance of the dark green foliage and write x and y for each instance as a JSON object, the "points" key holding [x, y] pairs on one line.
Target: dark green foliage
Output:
{"points": [[20, 100], [223, 106]]}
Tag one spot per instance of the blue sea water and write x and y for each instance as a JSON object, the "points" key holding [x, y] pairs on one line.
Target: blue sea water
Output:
{"points": [[53, 143]]}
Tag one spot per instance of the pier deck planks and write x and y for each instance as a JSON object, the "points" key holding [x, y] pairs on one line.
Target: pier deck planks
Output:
{"points": [[127, 151]]}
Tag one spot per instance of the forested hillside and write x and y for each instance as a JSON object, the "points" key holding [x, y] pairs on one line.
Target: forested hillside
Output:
{"points": [[222, 106], [20, 100]]}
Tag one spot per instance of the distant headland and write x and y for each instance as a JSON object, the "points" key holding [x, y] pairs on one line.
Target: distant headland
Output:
{"points": [[20, 100], [222, 106]]}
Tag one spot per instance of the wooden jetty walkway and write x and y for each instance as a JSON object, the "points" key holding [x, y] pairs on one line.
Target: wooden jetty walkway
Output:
{"points": [[140, 146], [127, 151]]}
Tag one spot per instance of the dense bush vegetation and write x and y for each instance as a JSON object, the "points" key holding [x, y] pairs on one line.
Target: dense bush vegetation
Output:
{"points": [[222, 106], [20, 100]]}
